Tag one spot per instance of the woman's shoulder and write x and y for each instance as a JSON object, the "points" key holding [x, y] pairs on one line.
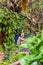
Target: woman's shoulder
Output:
{"points": [[19, 38]]}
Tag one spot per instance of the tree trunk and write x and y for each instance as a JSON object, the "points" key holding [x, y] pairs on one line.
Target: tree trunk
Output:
{"points": [[2, 35]]}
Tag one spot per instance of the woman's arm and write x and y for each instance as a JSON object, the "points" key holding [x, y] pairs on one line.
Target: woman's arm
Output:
{"points": [[18, 41]]}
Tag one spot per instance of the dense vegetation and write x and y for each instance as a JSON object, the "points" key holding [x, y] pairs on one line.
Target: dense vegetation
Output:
{"points": [[10, 24], [13, 19], [35, 45]]}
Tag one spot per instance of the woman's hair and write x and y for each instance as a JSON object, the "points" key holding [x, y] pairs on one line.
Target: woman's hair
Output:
{"points": [[22, 31]]}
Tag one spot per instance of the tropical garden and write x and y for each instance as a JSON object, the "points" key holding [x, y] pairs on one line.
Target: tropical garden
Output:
{"points": [[16, 15]]}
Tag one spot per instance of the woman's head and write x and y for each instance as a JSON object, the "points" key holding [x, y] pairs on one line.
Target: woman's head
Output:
{"points": [[22, 33]]}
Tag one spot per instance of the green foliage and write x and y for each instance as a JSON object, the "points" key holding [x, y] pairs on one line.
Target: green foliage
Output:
{"points": [[7, 25], [10, 24], [35, 45], [1, 48]]}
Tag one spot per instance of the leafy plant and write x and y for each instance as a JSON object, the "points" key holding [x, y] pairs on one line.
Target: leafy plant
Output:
{"points": [[35, 45], [10, 24]]}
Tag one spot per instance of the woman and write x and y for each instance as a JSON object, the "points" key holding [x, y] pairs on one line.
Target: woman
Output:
{"points": [[21, 38], [21, 41]]}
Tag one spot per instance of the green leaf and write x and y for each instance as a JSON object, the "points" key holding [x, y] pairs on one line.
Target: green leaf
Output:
{"points": [[34, 63], [24, 46]]}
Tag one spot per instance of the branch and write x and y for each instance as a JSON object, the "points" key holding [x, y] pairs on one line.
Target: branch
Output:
{"points": [[31, 2], [2, 4]]}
